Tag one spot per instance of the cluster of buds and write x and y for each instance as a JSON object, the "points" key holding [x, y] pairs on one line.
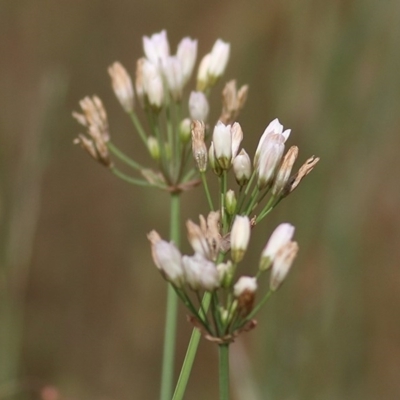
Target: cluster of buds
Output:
{"points": [[212, 268], [159, 89], [270, 173]]}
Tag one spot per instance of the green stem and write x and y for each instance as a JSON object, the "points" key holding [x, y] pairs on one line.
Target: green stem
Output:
{"points": [[190, 355], [131, 180], [139, 127], [208, 195], [224, 371], [123, 157], [167, 374]]}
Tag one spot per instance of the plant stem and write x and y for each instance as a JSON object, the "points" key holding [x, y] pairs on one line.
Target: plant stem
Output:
{"points": [[224, 371], [167, 374], [190, 354], [123, 157]]}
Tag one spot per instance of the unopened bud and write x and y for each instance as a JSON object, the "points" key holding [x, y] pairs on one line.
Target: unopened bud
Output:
{"points": [[240, 236], [154, 147], [213, 162], [230, 202], [185, 130], [187, 53], [219, 60], [233, 101], [202, 73], [122, 85], [284, 171], [242, 167], [199, 148], [282, 264], [156, 47], [198, 106], [172, 70], [244, 290], [222, 139], [153, 85], [280, 237]]}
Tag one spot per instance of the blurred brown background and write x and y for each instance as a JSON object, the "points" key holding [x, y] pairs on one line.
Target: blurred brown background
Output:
{"points": [[74, 256]]}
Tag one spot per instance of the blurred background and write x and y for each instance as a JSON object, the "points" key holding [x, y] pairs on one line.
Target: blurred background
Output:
{"points": [[82, 306]]}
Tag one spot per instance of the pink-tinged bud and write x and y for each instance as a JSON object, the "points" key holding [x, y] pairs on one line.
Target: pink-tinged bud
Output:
{"points": [[139, 80], [172, 70], [222, 139], [156, 47], [283, 175], [280, 237], [240, 236], [122, 86], [242, 167], [282, 264], [199, 148], [198, 106], [230, 202], [219, 59], [270, 157], [200, 273], [153, 85], [168, 259], [274, 128], [202, 73], [237, 137], [187, 53], [244, 290]]}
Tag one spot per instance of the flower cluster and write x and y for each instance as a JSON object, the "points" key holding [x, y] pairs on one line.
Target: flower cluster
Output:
{"points": [[210, 270], [159, 89]]}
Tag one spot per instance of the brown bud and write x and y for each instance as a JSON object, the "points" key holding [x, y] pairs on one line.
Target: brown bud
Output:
{"points": [[233, 101], [198, 145]]}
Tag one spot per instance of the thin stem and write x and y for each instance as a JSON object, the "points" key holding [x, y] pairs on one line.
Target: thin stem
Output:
{"points": [[208, 195], [123, 157], [224, 371], [259, 305], [131, 180], [167, 374], [190, 354], [139, 127]]}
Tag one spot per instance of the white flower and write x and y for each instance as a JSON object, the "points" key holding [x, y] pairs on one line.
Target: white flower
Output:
{"points": [[172, 70], [270, 156], [282, 264], [200, 273], [219, 57], [202, 73], [245, 284], [274, 128], [240, 236], [152, 84], [280, 237], [156, 47], [222, 139], [187, 53], [198, 106]]}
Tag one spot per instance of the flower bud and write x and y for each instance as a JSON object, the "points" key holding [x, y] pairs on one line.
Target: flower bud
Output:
{"points": [[200, 273], [185, 130], [202, 73], [282, 264], [187, 53], [198, 106], [122, 85], [222, 139], [154, 147], [167, 258], [237, 137], [280, 237], [284, 171], [156, 47], [270, 157], [240, 236], [199, 148], [139, 81], [197, 239], [225, 274], [233, 101], [213, 162], [244, 290], [230, 202], [242, 167]]}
